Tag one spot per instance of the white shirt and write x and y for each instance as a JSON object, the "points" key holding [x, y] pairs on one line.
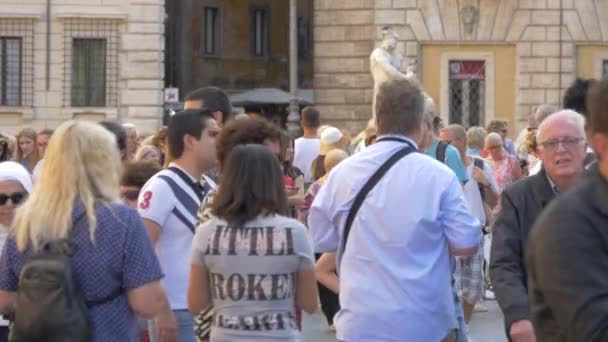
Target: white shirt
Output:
{"points": [[306, 150], [472, 193], [395, 275], [37, 171], [172, 204]]}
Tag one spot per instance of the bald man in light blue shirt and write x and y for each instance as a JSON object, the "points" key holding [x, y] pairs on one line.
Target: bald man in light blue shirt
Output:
{"points": [[395, 275]]}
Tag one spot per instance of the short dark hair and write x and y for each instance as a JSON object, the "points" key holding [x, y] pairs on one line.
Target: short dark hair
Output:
{"points": [[118, 131], [597, 101], [137, 173], [255, 130], [213, 100], [399, 107], [252, 185], [575, 97], [311, 117], [188, 122], [47, 131]]}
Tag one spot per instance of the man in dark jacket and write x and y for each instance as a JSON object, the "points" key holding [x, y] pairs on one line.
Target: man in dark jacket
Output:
{"points": [[567, 256], [562, 147]]}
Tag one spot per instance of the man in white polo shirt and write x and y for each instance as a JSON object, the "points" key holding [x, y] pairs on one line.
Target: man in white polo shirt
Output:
{"points": [[307, 147], [395, 277], [168, 204]]}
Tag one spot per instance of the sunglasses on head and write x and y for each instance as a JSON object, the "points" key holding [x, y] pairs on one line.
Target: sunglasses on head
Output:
{"points": [[16, 198]]}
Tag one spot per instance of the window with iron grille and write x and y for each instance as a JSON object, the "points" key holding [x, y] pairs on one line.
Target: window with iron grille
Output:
{"points": [[605, 68], [88, 72], [467, 93], [91, 62], [16, 62], [211, 32], [261, 32], [10, 71]]}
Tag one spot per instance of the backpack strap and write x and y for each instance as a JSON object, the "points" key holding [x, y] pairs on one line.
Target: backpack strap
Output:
{"points": [[440, 152], [371, 183], [115, 294]]}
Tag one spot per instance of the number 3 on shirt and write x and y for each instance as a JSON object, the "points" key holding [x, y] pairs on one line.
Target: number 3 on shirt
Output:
{"points": [[145, 204]]}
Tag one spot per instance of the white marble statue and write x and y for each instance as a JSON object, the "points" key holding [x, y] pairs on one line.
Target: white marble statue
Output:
{"points": [[385, 62]]}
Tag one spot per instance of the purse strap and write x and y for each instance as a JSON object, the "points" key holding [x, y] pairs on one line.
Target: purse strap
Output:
{"points": [[371, 183]]}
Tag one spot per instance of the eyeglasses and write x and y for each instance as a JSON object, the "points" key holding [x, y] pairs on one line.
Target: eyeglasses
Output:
{"points": [[494, 147], [130, 195], [16, 198], [568, 143]]}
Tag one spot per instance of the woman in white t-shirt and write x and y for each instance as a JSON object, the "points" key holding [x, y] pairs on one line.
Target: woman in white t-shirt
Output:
{"points": [[250, 261]]}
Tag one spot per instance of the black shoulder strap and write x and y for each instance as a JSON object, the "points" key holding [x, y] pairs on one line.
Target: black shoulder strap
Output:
{"points": [[371, 183], [480, 164], [440, 153], [198, 190]]}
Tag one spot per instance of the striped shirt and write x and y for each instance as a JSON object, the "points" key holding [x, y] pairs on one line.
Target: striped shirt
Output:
{"points": [[171, 202]]}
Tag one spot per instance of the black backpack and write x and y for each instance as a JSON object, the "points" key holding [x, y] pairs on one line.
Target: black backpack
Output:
{"points": [[50, 306]]}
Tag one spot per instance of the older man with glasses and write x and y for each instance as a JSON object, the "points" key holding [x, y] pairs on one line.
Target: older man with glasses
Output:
{"points": [[561, 147]]}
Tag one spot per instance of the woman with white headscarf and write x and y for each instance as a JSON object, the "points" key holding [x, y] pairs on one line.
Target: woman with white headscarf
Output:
{"points": [[15, 186]]}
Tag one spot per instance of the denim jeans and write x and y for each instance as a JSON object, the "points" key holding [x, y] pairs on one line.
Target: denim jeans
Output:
{"points": [[185, 326]]}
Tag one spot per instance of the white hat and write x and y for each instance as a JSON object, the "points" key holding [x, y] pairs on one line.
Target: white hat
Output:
{"points": [[11, 171], [330, 139]]}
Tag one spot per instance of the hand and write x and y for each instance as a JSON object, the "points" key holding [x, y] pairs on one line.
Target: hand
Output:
{"points": [[166, 327], [522, 331], [291, 191], [480, 177]]}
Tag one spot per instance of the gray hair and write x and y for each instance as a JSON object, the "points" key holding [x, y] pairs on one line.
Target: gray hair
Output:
{"points": [[399, 107], [494, 137], [476, 138], [568, 116], [129, 126]]}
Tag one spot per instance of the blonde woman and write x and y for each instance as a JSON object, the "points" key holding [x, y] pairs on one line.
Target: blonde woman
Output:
{"points": [[77, 199], [27, 154]]}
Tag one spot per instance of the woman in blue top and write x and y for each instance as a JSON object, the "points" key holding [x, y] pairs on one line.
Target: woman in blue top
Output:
{"points": [[113, 254]]}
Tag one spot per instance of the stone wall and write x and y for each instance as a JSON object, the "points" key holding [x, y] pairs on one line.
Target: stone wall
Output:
{"points": [[347, 30], [134, 72]]}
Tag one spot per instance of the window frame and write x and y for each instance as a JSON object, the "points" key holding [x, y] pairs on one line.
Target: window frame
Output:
{"points": [[217, 32], [4, 68], [265, 34], [89, 97]]}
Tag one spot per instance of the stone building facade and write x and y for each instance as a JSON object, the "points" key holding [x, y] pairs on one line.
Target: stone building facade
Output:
{"points": [[236, 44], [81, 59], [479, 59]]}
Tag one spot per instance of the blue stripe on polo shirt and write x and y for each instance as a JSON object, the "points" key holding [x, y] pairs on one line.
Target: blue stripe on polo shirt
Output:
{"points": [[182, 196], [183, 219]]}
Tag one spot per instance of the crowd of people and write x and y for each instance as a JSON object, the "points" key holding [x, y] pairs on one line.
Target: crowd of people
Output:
{"points": [[224, 228]]}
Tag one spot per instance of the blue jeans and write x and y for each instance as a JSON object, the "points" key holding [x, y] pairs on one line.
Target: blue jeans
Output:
{"points": [[185, 326]]}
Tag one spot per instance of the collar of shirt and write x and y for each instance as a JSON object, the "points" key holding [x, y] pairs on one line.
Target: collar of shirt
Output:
{"points": [[399, 137], [553, 186], [186, 172], [473, 152]]}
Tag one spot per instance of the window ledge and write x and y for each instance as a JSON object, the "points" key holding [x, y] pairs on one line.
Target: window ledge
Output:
{"points": [[90, 113], [19, 14], [25, 112], [92, 14]]}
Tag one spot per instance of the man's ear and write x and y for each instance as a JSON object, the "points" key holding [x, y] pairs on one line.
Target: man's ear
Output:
{"points": [[188, 142], [218, 116]]}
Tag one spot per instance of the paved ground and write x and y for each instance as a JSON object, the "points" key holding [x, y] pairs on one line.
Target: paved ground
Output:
{"points": [[485, 327]]}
